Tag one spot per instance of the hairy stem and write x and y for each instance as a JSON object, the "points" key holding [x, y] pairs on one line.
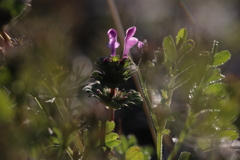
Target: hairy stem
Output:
{"points": [[183, 135]]}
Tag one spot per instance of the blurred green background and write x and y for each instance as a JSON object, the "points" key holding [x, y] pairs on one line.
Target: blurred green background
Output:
{"points": [[74, 32], [73, 28]]}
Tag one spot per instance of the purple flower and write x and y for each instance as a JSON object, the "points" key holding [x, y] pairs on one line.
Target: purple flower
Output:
{"points": [[113, 44], [140, 44], [130, 41]]}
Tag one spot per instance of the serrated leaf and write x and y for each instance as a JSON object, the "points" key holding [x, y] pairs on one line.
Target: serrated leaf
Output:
{"points": [[184, 156], [134, 153], [169, 48], [221, 57], [181, 36], [228, 135], [111, 139], [110, 126], [181, 80], [217, 89]]}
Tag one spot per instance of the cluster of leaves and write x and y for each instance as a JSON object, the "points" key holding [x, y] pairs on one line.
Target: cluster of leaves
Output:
{"points": [[10, 10], [208, 119], [113, 73], [42, 116]]}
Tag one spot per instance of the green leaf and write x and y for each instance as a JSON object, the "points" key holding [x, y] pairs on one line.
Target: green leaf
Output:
{"points": [[186, 48], [111, 139], [184, 156], [169, 48], [167, 63], [132, 140], [221, 57], [181, 80], [204, 143], [181, 36], [6, 112], [15, 7], [213, 75], [124, 145], [134, 153], [164, 94], [115, 58], [126, 142], [147, 151], [110, 126], [217, 89], [166, 131], [183, 67], [228, 135]]}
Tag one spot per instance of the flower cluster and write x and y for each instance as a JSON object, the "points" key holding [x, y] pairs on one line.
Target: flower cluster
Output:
{"points": [[129, 41], [115, 71]]}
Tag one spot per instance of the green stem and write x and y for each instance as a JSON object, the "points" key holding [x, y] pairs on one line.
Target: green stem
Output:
{"points": [[183, 135], [159, 144], [147, 105], [156, 129], [137, 78]]}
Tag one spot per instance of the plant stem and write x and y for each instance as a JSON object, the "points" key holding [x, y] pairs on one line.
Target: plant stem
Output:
{"points": [[183, 135], [148, 109], [147, 105], [112, 112], [159, 144]]}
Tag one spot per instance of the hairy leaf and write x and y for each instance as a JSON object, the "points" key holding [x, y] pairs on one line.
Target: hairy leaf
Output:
{"points": [[169, 48], [181, 36], [183, 67], [213, 75], [217, 89], [181, 80], [184, 156], [228, 135], [221, 57]]}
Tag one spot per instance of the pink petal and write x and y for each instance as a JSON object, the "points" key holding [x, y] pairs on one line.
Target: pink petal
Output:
{"points": [[140, 44], [112, 33], [130, 32], [113, 44]]}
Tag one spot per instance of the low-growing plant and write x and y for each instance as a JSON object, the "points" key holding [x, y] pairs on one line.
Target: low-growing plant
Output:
{"points": [[43, 114]]}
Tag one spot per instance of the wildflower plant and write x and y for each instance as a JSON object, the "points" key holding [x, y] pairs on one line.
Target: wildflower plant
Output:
{"points": [[207, 97], [115, 71], [42, 104]]}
